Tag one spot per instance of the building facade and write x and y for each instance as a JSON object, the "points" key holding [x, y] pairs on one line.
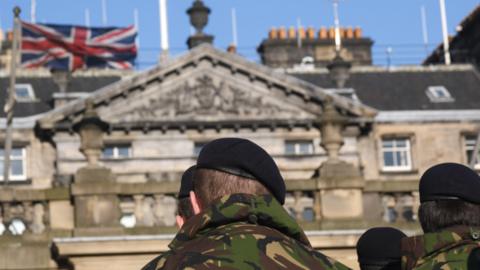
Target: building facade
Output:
{"points": [[98, 154]]}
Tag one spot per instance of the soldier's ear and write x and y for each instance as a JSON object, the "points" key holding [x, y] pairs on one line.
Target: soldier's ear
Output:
{"points": [[180, 221], [195, 204]]}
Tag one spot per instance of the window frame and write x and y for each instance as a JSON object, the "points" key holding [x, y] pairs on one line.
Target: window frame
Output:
{"points": [[395, 149], [297, 146], [31, 93], [115, 155], [432, 94], [466, 147], [23, 158]]}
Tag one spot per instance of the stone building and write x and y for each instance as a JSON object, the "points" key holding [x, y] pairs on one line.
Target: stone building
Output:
{"points": [[98, 154]]}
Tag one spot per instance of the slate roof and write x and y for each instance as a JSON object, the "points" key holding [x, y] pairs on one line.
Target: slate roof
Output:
{"points": [[44, 87], [405, 88]]}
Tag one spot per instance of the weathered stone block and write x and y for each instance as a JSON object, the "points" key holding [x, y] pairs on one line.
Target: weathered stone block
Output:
{"points": [[94, 174], [97, 211], [61, 215], [17, 253]]}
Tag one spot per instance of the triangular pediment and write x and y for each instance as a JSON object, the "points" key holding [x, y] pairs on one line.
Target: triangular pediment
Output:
{"points": [[202, 97], [207, 85]]}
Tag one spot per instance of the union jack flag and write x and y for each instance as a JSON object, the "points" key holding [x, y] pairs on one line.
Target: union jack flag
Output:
{"points": [[68, 47]]}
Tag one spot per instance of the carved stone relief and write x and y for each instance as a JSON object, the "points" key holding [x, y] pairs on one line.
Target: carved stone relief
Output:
{"points": [[205, 99]]}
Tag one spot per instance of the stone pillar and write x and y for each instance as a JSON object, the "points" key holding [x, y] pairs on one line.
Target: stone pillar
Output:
{"points": [[317, 205], [340, 183], [95, 201], [298, 206]]}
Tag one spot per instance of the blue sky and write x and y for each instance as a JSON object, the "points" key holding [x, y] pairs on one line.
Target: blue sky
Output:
{"points": [[395, 23]]}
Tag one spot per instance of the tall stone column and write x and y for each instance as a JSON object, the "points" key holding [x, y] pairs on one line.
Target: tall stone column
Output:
{"points": [[340, 182], [96, 204]]}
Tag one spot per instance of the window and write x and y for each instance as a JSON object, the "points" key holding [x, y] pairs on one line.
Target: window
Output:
{"points": [[299, 147], [396, 155], [469, 148], [439, 94], [24, 93], [197, 147], [17, 164], [117, 151]]}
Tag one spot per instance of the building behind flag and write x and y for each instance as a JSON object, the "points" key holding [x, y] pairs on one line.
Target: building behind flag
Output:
{"points": [[69, 47]]}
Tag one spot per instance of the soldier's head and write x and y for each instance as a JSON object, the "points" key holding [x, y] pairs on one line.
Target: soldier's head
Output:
{"points": [[184, 206], [232, 165], [449, 196], [379, 249]]}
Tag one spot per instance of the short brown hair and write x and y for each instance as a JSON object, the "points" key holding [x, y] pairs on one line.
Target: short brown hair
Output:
{"points": [[210, 185], [438, 215], [184, 208]]}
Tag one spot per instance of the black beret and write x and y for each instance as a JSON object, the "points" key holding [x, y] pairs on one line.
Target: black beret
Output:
{"points": [[450, 181], [187, 183], [380, 246], [243, 158]]}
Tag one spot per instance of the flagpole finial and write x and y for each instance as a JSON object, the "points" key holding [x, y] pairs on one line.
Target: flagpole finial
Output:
{"points": [[16, 11]]}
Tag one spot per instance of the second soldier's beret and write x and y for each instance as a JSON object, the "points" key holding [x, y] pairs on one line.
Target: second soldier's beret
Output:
{"points": [[187, 183], [450, 181], [243, 158], [380, 246]]}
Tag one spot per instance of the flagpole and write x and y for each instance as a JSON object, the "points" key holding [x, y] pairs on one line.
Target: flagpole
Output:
{"points": [[104, 12], [162, 5], [423, 14], [136, 22], [33, 11], [87, 17], [234, 27], [11, 96], [338, 39], [299, 38], [446, 42]]}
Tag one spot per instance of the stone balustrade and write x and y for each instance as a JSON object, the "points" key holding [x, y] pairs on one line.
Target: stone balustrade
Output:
{"points": [[30, 211]]}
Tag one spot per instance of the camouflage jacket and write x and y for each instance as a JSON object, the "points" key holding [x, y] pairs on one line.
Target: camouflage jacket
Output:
{"points": [[448, 249], [242, 232]]}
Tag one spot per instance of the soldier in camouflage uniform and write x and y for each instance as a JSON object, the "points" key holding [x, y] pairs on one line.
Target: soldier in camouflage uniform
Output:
{"points": [[239, 230], [450, 217]]}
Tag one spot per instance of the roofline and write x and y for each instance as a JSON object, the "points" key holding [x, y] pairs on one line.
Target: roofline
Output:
{"points": [[393, 69], [419, 116], [93, 72], [27, 122]]}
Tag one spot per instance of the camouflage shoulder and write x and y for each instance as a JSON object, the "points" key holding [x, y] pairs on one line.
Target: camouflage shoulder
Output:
{"points": [[157, 263], [329, 263]]}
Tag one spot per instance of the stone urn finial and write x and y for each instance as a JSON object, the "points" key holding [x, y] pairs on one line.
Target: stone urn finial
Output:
{"points": [[339, 70], [332, 123], [198, 14], [91, 129]]}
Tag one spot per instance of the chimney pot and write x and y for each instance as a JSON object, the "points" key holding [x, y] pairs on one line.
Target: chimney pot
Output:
{"points": [[232, 49], [292, 34], [301, 32], [358, 32], [282, 33], [323, 33], [350, 32], [331, 33], [273, 34], [10, 35], [310, 33]]}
